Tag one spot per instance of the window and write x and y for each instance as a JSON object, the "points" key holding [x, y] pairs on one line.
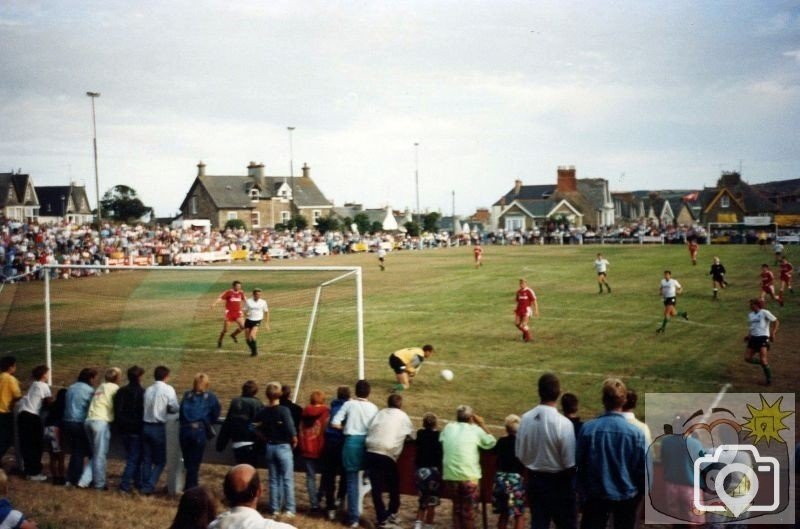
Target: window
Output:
{"points": [[255, 219], [232, 215], [725, 201], [193, 205], [254, 194], [317, 214], [514, 223], [285, 217]]}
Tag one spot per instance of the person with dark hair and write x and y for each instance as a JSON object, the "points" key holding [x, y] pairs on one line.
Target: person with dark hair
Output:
{"points": [[611, 462], [569, 408], [332, 457], [236, 428], [545, 444], [10, 393], [76, 407], [98, 425], [311, 442], [353, 419], [234, 301], [386, 436], [29, 422], [128, 421], [428, 474], [768, 285], [693, 247], [670, 288], [196, 509], [257, 312], [242, 488], [763, 328], [52, 437], [627, 410], [461, 442], [786, 271], [159, 401], [406, 362], [286, 400], [199, 411], [275, 428]]}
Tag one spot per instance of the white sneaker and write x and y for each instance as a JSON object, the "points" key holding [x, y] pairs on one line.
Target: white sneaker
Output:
{"points": [[287, 515], [418, 524], [37, 477], [331, 514]]}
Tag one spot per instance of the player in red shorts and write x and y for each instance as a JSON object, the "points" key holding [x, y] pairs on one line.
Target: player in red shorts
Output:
{"points": [[478, 253], [693, 247], [234, 299], [786, 276], [768, 285], [526, 306]]}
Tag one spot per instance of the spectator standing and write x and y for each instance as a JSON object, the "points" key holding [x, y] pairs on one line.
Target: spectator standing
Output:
{"points": [[295, 410], [546, 446], [159, 401], [386, 436], [10, 517], [236, 428], [509, 488], [79, 396], [461, 442], [29, 422], [275, 428], [428, 476], [332, 457], [311, 437], [354, 418], [611, 462], [243, 489], [199, 411], [52, 437], [98, 425], [631, 398], [10, 393], [569, 407], [128, 421]]}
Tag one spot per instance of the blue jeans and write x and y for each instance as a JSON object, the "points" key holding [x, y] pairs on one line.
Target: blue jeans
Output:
{"points": [[133, 462], [99, 434], [280, 463], [353, 513], [79, 444], [193, 444], [154, 455], [311, 480]]}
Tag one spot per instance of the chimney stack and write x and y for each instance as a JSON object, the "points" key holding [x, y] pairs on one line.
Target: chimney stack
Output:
{"points": [[201, 168], [567, 183], [306, 170], [517, 186]]}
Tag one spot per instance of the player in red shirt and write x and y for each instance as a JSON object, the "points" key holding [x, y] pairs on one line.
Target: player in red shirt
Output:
{"points": [[234, 299], [768, 285], [478, 253], [693, 246], [526, 306], [786, 276]]}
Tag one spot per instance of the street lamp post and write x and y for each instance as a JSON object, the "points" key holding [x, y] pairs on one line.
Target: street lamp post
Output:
{"points": [[416, 180], [93, 96], [291, 164]]}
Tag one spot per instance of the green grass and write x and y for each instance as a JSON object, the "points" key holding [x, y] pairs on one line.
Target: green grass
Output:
{"points": [[427, 297]]}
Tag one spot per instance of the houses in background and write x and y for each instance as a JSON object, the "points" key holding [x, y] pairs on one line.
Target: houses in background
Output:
{"points": [[22, 201], [18, 201]]}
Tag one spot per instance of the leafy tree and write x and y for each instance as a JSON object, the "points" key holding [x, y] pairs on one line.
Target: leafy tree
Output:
{"points": [[362, 222], [430, 222], [121, 203], [326, 224], [376, 227], [297, 222], [412, 228], [235, 224], [280, 227], [346, 223]]}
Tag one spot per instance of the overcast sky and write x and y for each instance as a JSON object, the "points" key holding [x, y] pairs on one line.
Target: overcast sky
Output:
{"points": [[649, 95]]}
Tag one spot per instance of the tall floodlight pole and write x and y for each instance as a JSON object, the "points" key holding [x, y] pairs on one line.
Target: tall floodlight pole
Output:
{"points": [[93, 96], [291, 163], [416, 179]]}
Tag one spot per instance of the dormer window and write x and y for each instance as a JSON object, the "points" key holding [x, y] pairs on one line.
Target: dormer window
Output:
{"points": [[254, 195], [725, 201]]}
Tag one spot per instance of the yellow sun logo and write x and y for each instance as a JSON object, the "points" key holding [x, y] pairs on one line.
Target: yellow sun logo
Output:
{"points": [[766, 422]]}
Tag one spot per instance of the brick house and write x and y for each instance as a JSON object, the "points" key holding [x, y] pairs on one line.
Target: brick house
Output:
{"points": [[732, 200], [258, 200]]}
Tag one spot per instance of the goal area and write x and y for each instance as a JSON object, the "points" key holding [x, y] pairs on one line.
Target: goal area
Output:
{"points": [[102, 316]]}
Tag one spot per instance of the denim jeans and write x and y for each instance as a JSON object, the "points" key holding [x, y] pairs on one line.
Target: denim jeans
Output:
{"points": [[133, 462], [99, 434], [353, 500], [154, 455], [193, 444], [81, 449], [312, 465], [280, 463]]}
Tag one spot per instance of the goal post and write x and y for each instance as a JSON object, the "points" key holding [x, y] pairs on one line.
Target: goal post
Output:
{"points": [[316, 317]]}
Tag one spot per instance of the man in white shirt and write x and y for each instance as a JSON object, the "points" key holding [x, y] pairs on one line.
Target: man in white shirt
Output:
{"points": [[601, 267], [670, 288], [256, 311], [159, 401], [243, 489], [763, 328], [546, 446], [385, 439]]}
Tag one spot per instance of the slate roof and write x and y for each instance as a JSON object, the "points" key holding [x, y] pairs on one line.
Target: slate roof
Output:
{"points": [[752, 200], [233, 191], [780, 188], [51, 204], [594, 190], [527, 193], [18, 182], [538, 208]]}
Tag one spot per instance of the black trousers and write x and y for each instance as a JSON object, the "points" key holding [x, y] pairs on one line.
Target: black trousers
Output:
{"points": [[383, 477], [331, 468], [31, 433], [596, 512], [6, 432]]}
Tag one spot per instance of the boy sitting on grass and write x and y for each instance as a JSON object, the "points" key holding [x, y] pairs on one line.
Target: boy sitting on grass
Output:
{"points": [[8, 516]]}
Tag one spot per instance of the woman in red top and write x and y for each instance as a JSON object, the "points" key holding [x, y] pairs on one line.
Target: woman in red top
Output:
{"points": [[526, 306]]}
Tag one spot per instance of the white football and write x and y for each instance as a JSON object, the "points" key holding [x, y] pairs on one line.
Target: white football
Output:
{"points": [[447, 374]]}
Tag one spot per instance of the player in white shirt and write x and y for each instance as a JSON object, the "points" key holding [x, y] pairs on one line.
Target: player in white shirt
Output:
{"points": [[670, 288], [763, 327], [601, 267], [256, 311], [381, 258]]}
